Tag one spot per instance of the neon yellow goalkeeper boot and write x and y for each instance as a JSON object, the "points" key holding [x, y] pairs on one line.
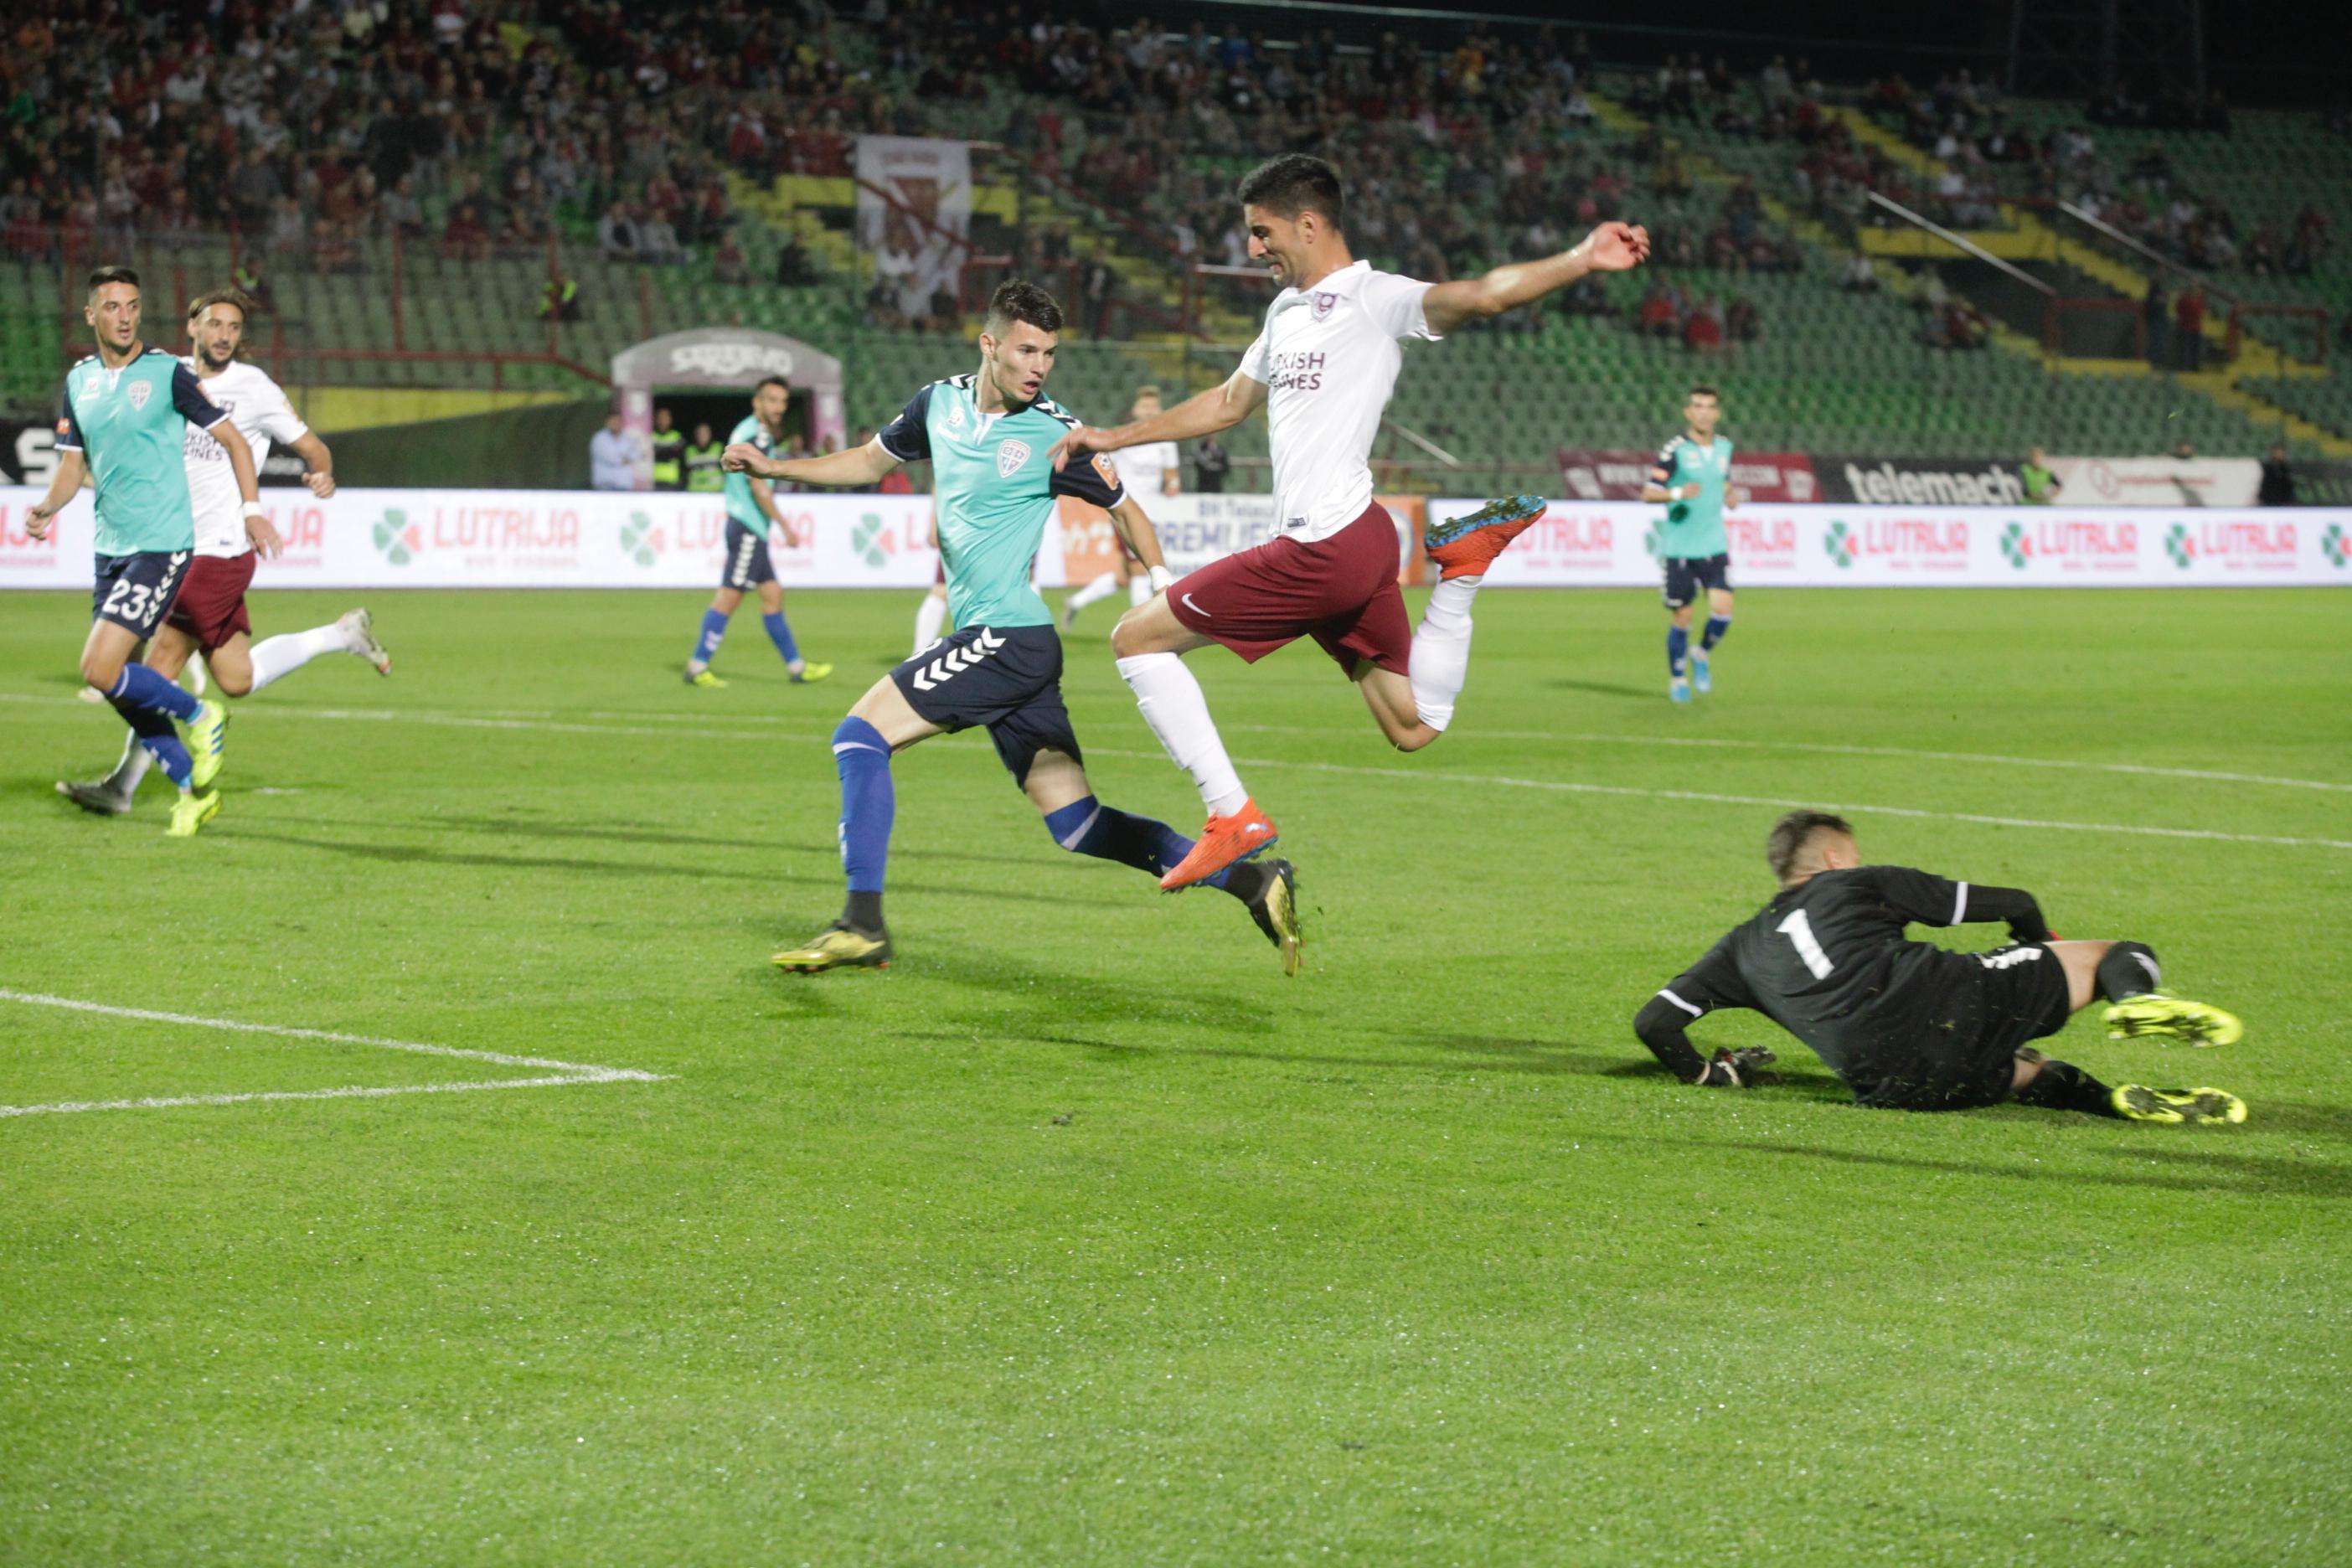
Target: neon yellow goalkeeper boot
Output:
{"points": [[838, 946], [2172, 1019], [2136, 1102], [703, 679], [808, 672]]}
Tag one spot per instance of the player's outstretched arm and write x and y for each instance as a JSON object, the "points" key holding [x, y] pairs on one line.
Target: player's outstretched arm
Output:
{"points": [[2015, 906], [258, 531], [1135, 530], [1202, 413], [318, 464], [1661, 1025], [1932, 901], [856, 469], [63, 483], [1611, 247]]}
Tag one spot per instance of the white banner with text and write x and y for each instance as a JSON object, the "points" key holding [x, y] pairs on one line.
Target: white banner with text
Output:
{"points": [[585, 539], [1602, 544]]}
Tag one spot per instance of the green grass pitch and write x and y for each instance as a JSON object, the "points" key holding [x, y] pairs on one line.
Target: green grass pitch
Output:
{"points": [[1080, 1235]]}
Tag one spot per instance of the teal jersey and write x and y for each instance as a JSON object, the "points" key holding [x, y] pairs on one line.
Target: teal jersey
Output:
{"points": [[993, 486], [1694, 528], [131, 425], [738, 488]]}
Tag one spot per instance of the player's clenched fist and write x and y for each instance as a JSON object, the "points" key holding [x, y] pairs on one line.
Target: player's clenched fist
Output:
{"points": [[742, 457], [1616, 247]]}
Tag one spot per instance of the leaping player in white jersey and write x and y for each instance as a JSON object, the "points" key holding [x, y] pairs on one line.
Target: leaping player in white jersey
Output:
{"points": [[209, 615], [1147, 471], [1324, 363]]}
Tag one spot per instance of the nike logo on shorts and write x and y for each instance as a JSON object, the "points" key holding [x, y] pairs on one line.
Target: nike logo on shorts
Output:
{"points": [[1195, 608]]}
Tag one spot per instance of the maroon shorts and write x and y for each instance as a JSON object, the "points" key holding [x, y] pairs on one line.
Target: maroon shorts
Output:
{"points": [[211, 605], [1341, 591]]}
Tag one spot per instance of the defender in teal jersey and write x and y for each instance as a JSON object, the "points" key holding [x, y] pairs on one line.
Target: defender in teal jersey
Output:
{"points": [[751, 512], [1693, 477], [990, 437], [125, 419]]}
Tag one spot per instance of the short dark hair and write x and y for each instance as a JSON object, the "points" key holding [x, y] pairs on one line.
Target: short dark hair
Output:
{"points": [[767, 381], [1294, 184], [1794, 831], [1017, 300], [211, 297], [106, 275], [1704, 389]]}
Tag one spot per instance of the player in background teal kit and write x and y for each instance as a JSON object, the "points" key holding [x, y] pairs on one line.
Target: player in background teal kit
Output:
{"points": [[990, 437], [125, 419], [750, 510], [1693, 477]]}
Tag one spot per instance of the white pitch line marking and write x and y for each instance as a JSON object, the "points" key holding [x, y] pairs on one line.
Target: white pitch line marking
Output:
{"points": [[766, 725], [561, 1072], [1564, 785], [1569, 787]]}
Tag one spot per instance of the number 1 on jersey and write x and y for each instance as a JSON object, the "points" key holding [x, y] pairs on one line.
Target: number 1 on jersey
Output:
{"points": [[1801, 932]]}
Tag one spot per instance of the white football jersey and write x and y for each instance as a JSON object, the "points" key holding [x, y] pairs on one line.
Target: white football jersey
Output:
{"points": [[1328, 357], [1140, 467], [256, 405]]}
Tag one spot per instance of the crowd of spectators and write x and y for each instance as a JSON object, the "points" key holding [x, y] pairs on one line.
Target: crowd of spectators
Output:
{"points": [[473, 126]]}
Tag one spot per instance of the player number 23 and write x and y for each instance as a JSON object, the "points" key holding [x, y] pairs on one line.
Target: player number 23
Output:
{"points": [[1801, 932], [137, 593]]}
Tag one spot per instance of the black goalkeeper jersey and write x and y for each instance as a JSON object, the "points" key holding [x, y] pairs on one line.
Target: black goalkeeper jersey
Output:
{"points": [[1828, 961]]}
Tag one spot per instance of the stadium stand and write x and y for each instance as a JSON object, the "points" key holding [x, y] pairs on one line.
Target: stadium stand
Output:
{"points": [[415, 187]]}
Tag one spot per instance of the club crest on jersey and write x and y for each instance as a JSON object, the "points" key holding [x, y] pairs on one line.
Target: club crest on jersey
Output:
{"points": [[140, 392], [1010, 456], [1321, 305]]}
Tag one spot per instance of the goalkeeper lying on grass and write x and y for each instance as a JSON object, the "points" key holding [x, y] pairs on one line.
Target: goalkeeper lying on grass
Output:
{"points": [[1910, 1027]]}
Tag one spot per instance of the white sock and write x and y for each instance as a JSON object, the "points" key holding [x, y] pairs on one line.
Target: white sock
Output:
{"points": [[283, 654], [930, 616], [1102, 588], [1139, 592], [1440, 662], [136, 760], [1171, 703]]}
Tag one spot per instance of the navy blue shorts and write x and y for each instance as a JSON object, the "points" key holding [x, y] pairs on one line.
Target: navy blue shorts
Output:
{"points": [[1009, 679], [1687, 575], [135, 591], [748, 565]]}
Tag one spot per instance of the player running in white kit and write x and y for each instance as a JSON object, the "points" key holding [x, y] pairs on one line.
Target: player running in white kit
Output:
{"points": [[1325, 364]]}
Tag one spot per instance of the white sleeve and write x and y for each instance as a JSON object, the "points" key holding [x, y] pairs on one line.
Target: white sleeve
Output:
{"points": [[277, 419], [1395, 304], [1255, 358]]}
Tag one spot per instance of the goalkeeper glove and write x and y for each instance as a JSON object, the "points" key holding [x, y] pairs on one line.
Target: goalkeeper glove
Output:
{"points": [[1742, 1068]]}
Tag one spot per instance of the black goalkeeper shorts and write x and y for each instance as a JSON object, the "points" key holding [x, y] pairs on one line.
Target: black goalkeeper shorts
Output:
{"points": [[1987, 1007]]}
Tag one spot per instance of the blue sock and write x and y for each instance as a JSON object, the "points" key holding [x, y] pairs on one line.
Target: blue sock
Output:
{"points": [[869, 804], [781, 636], [1718, 627], [1677, 645], [714, 628], [156, 735], [172, 757], [144, 688], [1089, 827]]}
